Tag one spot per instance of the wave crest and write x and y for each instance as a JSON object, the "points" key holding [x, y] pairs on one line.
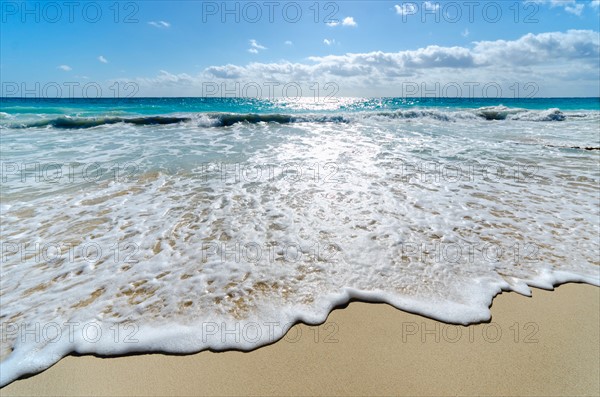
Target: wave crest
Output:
{"points": [[85, 122], [494, 113]]}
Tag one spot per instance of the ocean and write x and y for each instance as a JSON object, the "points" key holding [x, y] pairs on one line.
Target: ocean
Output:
{"points": [[183, 224]]}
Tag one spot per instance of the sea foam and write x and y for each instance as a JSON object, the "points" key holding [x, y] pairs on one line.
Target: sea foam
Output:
{"points": [[182, 237]]}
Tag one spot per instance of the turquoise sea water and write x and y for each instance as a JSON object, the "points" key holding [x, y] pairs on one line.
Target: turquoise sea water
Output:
{"points": [[162, 224], [157, 106]]}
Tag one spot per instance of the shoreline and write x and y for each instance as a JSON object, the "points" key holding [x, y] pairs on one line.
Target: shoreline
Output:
{"points": [[543, 345]]}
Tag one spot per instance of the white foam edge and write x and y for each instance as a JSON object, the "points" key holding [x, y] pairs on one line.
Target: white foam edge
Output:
{"points": [[186, 339]]}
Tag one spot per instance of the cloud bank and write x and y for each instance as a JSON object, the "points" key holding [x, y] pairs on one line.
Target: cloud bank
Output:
{"points": [[560, 63]]}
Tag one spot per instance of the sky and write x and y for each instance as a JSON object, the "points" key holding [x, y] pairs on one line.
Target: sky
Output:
{"points": [[544, 48]]}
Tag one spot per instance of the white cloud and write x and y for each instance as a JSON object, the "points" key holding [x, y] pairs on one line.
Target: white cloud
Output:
{"points": [[406, 9], [552, 3], [228, 71], [254, 44], [160, 24], [560, 63], [532, 49], [428, 5], [410, 8], [556, 3], [465, 33], [570, 6], [348, 21], [329, 42], [66, 68], [595, 4], [288, 42], [102, 59], [575, 9], [255, 47], [168, 79]]}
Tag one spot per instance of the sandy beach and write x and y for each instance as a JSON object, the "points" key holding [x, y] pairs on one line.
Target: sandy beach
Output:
{"points": [[216, 198], [544, 345]]}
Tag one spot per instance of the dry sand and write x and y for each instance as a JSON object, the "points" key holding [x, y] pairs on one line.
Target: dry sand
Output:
{"points": [[545, 345]]}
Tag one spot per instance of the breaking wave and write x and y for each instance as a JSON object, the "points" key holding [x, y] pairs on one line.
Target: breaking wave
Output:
{"points": [[494, 113]]}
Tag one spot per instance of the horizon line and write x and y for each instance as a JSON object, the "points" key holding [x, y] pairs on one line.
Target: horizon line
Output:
{"points": [[325, 98]]}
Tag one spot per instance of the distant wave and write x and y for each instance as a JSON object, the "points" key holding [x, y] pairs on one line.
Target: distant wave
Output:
{"points": [[589, 148], [486, 113], [228, 119], [506, 113], [88, 122], [493, 113]]}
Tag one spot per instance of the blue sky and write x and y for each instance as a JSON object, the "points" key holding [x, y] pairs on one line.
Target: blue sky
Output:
{"points": [[368, 48]]}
